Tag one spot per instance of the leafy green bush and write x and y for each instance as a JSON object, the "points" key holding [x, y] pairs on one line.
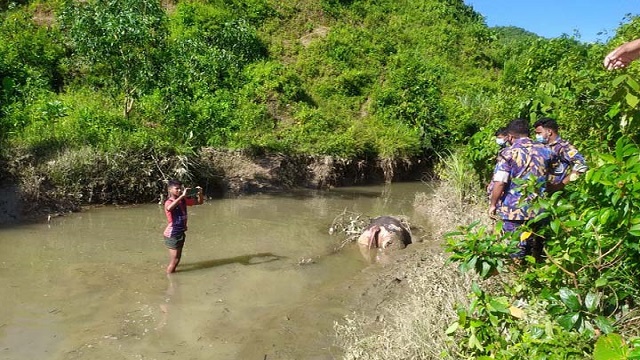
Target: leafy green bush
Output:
{"points": [[482, 250], [30, 57], [588, 281]]}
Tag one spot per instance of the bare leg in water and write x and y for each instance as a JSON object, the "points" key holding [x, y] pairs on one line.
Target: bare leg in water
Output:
{"points": [[174, 260]]}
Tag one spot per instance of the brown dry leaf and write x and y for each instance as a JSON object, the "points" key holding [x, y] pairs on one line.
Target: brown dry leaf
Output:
{"points": [[516, 312]]}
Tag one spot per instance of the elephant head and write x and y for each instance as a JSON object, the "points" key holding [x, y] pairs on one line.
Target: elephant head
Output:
{"points": [[383, 232]]}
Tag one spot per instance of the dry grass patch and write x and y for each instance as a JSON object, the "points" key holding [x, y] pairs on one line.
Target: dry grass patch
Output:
{"points": [[411, 327], [445, 214]]}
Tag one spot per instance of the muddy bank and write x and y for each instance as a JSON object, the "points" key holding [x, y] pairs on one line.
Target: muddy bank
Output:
{"points": [[65, 181], [403, 308]]}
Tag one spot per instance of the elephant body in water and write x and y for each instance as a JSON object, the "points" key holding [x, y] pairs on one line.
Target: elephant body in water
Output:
{"points": [[385, 231]]}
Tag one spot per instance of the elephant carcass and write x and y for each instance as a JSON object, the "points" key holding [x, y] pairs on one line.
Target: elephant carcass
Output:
{"points": [[385, 231]]}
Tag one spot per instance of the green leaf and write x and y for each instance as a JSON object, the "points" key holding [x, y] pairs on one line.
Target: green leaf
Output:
{"points": [[633, 84], [617, 81], [538, 332], [568, 321], [485, 269], [498, 306], [473, 342], [613, 110], [464, 267], [634, 354], [573, 223], [476, 289], [608, 158], [610, 347], [601, 282], [473, 261], [629, 150], [616, 197], [622, 147], [635, 230], [462, 315], [591, 301], [604, 216], [452, 328], [604, 324], [570, 299], [555, 225]]}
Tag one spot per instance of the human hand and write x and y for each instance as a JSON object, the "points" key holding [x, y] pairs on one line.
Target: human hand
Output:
{"points": [[185, 192], [492, 211], [623, 55]]}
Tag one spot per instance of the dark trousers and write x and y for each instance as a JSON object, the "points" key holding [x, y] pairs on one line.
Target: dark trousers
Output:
{"points": [[531, 245]]}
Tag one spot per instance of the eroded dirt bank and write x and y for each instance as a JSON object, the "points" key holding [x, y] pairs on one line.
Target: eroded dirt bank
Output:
{"points": [[37, 186]]}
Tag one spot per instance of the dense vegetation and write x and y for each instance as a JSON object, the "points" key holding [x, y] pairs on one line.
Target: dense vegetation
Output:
{"points": [[327, 77], [353, 79], [581, 302]]}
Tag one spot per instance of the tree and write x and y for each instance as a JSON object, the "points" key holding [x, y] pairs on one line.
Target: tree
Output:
{"points": [[120, 39]]}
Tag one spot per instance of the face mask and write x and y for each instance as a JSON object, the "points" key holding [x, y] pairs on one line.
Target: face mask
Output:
{"points": [[501, 142], [541, 139]]}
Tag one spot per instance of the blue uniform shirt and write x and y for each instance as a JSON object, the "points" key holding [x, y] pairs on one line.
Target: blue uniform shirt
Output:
{"points": [[523, 160], [568, 158]]}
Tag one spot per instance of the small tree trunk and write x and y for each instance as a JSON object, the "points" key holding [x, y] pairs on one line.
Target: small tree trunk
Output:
{"points": [[128, 105]]}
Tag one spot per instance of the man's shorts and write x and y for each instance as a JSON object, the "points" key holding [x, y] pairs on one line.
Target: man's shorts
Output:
{"points": [[176, 242]]}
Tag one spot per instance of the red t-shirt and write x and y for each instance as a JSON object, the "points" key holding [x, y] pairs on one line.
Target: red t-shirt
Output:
{"points": [[177, 217]]}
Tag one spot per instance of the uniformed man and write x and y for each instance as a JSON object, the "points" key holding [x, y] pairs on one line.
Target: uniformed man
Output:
{"points": [[503, 142], [524, 159], [569, 162]]}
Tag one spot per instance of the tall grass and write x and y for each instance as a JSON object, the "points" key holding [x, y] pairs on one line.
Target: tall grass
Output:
{"points": [[460, 175]]}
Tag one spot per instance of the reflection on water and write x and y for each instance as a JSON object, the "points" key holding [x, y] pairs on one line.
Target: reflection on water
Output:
{"points": [[92, 285]]}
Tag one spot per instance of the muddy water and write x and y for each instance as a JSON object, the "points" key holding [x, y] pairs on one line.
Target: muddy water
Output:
{"points": [[92, 286]]}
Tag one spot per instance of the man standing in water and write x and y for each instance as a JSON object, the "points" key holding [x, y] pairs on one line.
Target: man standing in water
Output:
{"points": [[175, 207]]}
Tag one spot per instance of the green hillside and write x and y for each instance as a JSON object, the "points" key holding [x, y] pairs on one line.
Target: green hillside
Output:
{"points": [[82, 82], [344, 78]]}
